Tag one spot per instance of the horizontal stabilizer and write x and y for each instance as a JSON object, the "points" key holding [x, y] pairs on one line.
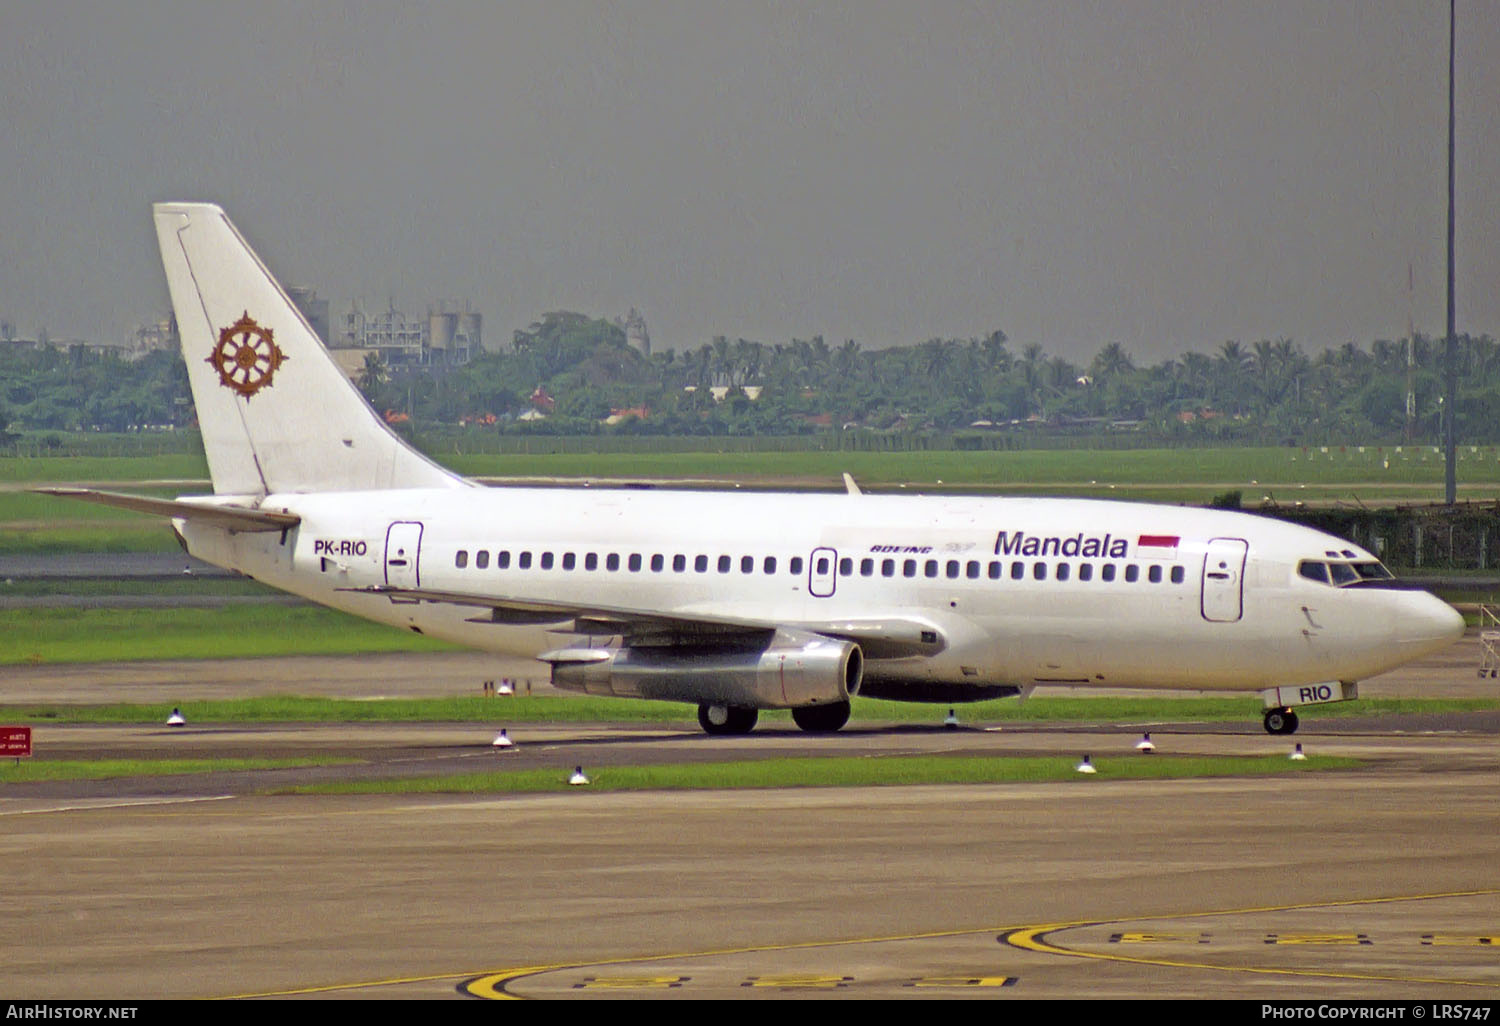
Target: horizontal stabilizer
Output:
{"points": [[230, 518]]}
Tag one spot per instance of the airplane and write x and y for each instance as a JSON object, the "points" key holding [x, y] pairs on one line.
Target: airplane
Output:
{"points": [[738, 602]]}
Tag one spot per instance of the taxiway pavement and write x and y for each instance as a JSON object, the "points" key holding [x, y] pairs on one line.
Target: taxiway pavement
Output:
{"points": [[1378, 883]]}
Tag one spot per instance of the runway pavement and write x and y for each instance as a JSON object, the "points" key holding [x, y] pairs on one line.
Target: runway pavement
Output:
{"points": [[1378, 883]]}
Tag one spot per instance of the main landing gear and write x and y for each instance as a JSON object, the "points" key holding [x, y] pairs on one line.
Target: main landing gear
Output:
{"points": [[727, 719], [821, 719], [1280, 721], [733, 719]]}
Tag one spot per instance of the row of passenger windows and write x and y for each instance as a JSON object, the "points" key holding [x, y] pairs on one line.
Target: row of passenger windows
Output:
{"points": [[953, 569]]}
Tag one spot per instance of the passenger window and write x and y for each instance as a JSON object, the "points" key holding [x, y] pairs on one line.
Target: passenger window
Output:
{"points": [[867, 568], [1178, 575], [931, 568], [846, 567], [887, 568], [973, 569], [953, 568], [909, 568], [1085, 571], [995, 570], [1062, 571], [590, 561], [725, 563], [546, 561], [1039, 571], [821, 566], [679, 563], [1154, 573], [794, 566], [1132, 573], [635, 562], [461, 560], [1017, 570], [568, 561], [481, 559], [769, 566], [524, 561], [1107, 572], [502, 559], [658, 562], [747, 564], [700, 564], [612, 561]]}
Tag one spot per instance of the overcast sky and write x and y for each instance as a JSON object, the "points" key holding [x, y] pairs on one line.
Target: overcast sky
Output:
{"points": [[1163, 174]]}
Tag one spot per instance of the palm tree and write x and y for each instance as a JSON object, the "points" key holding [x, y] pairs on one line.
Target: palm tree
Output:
{"points": [[375, 375], [1111, 362]]}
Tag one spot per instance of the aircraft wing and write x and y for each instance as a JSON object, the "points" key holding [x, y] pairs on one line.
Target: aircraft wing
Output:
{"points": [[880, 637], [228, 517]]}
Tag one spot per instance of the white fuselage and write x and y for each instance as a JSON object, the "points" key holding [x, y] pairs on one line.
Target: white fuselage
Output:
{"points": [[1017, 589]]}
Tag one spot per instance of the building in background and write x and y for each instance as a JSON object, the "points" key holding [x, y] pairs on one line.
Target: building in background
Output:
{"points": [[634, 326], [445, 337], [314, 309]]}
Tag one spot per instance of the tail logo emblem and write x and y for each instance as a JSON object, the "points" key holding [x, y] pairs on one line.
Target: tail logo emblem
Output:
{"points": [[247, 357]]}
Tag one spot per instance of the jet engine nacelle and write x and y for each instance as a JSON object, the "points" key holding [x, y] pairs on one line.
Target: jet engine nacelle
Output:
{"points": [[793, 669]]}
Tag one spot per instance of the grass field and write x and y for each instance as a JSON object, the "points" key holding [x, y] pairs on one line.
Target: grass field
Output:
{"points": [[45, 635], [1381, 466], [834, 771], [32, 770], [589, 709], [1373, 475]]}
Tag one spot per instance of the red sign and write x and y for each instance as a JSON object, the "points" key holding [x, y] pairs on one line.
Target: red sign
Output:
{"points": [[15, 742]]}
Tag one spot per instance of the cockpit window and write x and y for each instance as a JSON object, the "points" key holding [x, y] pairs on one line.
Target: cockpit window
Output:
{"points": [[1313, 570], [1342, 573]]}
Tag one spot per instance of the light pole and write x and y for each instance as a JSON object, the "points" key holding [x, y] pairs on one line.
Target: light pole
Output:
{"points": [[1450, 445]]}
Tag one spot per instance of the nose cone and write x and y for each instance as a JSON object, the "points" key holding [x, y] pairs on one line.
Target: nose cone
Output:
{"points": [[1430, 624]]}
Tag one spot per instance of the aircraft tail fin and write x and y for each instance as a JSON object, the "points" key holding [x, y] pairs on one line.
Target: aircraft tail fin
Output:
{"points": [[277, 414]]}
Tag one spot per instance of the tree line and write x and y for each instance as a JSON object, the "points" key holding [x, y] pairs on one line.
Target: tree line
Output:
{"points": [[578, 370]]}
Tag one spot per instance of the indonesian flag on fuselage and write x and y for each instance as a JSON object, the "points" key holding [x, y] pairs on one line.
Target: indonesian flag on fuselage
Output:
{"points": [[1156, 546]]}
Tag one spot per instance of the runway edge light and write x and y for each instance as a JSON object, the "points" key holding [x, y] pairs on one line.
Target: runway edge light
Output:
{"points": [[1086, 766]]}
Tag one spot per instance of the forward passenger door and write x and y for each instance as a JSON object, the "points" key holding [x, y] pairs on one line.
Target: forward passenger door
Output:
{"points": [[1223, 579]]}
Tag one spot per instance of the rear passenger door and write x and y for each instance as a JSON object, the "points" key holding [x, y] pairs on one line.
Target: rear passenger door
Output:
{"points": [[403, 552]]}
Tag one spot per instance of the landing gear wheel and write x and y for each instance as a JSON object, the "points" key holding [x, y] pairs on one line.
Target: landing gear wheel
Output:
{"points": [[821, 719], [1281, 721], [727, 719]]}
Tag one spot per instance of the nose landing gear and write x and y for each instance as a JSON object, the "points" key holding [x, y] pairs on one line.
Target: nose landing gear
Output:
{"points": [[1280, 721]]}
